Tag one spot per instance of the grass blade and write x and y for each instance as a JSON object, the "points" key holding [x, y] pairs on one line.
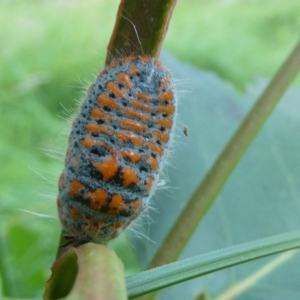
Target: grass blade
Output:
{"points": [[199, 265]]}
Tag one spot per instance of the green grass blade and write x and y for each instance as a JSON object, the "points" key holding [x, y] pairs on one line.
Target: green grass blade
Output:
{"points": [[199, 265], [265, 270]]}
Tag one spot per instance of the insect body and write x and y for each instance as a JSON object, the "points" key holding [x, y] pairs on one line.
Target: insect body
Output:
{"points": [[117, 147]]}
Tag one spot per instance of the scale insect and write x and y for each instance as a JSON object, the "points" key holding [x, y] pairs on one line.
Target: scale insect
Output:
{"points": [[117, 147]]}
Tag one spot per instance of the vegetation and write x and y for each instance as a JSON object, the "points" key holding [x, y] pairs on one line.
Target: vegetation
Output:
{"points": [[50, 50]]}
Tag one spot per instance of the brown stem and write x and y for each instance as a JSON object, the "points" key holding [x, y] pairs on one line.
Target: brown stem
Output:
{"points": [[140, 28]]}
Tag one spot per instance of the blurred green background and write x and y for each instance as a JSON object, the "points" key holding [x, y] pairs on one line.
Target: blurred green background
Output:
{"points": [[51, 50]]}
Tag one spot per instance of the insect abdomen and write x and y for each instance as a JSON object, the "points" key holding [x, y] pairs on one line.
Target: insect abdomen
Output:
{"points": [[117, 147]]}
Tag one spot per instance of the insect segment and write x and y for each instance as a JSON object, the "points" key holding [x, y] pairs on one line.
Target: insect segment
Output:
{"points": [[117, 147]]}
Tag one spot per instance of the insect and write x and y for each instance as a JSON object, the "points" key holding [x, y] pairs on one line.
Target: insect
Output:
{"points": [[186, 131], [117, 148]]}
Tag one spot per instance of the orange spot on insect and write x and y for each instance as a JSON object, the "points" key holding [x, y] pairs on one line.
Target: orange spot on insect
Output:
{"points": [[153, 163], [145, 59], [166, 96], [125, 136], [94, 226], [164, 82], [95, 128], [131, 155], [129, 176], [134, 70], [118, 224], [114, 64], [75, 213], [166, 109], [159, 64], [143, 96], [157, 149], [108, 168], [136, 204], [129, 59], [106, 101], [136, 114], [116, 204], [97, 199], [164, 137], [112, 88], [166, 123], [134, 125], [149, 184], [124, 79], [75, 188], [140, 105], [88, 142], [97, 113]]}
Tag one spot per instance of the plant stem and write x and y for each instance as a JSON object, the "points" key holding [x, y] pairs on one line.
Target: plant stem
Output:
{"points": [[140, 28], [225, 164]]}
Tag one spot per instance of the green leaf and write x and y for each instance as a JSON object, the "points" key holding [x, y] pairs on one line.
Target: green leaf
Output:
{"points": [[260, 199], [189, 268]]}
